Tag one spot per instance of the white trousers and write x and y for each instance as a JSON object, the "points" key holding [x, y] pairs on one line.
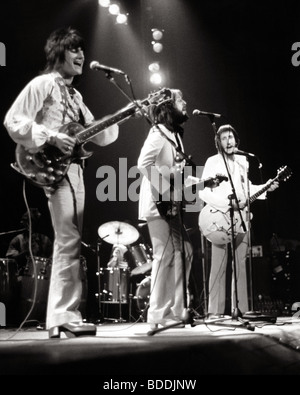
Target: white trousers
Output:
{"points": [[217, 278], [66, 207], [167, 297]]}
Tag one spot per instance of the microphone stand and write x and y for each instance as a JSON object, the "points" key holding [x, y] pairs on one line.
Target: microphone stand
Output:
{"points": [[249, 244], [133, 101]]}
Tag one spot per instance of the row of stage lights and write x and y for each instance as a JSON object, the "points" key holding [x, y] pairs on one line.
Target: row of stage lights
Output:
{"points": [[156, 76], [114, 9]]}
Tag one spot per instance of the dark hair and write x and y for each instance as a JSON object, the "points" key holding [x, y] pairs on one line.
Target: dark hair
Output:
{"points": [[58, 42], [226, 128], [34, 214], [166, 114]]}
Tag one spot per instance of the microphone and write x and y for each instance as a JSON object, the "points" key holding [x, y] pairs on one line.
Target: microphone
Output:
{"points": [[94, 65], [239, 152], [206, 114]]}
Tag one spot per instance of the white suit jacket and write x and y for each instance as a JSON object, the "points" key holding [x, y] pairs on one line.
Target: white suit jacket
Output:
{"points": [[156, 163]]}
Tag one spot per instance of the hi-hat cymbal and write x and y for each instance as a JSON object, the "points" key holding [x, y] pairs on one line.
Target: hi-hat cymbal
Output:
{"points": [[116, 232]]}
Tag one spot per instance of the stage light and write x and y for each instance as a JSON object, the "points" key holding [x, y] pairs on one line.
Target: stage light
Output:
{"points": [[157, 34], [154, 67], [121, 19], [157, 47], [104, 3], [156, 78], [114, 9]]}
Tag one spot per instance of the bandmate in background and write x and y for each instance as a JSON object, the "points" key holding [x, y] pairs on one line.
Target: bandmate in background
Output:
{"points": [[40, 244], [157, 162], [218, 198], [48, 102]]}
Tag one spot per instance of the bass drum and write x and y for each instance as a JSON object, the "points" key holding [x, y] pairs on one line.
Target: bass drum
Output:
{"points": [[9, 296], [8, 280], [114, 285], [142, 295], [38, 270]]}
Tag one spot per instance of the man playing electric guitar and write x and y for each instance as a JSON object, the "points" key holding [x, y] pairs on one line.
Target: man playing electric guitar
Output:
{"points": [[218, 202]]}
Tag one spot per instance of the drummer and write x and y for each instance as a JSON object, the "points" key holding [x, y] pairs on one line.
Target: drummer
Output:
{"points": [[19, 247], [118, 257]]}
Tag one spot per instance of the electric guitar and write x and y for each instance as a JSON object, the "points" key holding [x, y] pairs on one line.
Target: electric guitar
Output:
{"points": [[170, 208], [49, 165], [216, 225]]}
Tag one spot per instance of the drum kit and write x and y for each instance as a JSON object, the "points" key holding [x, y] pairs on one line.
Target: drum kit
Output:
{"points": [[117, 286], [117, 283]]}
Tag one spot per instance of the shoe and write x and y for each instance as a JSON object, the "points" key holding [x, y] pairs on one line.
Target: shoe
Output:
{"points": [[73, 329], [174, 323], [153, 326]]}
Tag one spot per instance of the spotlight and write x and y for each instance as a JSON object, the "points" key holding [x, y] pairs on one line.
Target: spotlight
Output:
{"points": [[157, 34], [156, 78], [114, 9], [121, 19], [154, 67], [157, 47], [104, 3]]}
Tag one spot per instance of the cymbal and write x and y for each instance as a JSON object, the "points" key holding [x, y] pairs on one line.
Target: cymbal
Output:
{"points": [[116, 232]]}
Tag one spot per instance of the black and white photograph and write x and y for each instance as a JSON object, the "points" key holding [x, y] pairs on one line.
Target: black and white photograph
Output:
{"points": [[149, 212]]}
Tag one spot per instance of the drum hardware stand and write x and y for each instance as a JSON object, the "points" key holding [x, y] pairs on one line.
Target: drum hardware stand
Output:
{"points": [[130, 297], [98, 247], [120, 319]]}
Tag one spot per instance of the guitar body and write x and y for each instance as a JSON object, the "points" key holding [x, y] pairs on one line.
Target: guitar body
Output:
{"points": [[216, 225], [49, 165], [171, 208]]}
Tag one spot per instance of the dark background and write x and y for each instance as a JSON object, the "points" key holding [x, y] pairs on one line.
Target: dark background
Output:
{"points": [[231, 57]]}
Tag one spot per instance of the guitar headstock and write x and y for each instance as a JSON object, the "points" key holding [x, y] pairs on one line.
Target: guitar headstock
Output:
{"points": [[284, 173], [159, 97]]}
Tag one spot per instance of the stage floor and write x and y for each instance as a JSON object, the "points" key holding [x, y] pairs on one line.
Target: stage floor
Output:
{"points": [[128, 350]]}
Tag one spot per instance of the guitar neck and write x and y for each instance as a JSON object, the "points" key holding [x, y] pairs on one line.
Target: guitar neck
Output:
{"points": [[99, 126], [261, 191]]}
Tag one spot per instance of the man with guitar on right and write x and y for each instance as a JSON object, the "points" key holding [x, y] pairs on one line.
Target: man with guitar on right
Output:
{"points": [[215, 220]]}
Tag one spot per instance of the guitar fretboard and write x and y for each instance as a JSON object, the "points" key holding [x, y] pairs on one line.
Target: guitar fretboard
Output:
{"points": [[98, 127]]}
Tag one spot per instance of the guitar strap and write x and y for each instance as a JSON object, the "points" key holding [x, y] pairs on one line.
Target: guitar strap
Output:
{"points": [[81, 162]]}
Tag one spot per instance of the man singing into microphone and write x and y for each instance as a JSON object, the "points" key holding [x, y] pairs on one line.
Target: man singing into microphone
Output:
{"points": [[47, 103], [217, 210]]}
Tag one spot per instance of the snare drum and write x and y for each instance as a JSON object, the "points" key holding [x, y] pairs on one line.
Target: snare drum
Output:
{"points": [[114, 284]]}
